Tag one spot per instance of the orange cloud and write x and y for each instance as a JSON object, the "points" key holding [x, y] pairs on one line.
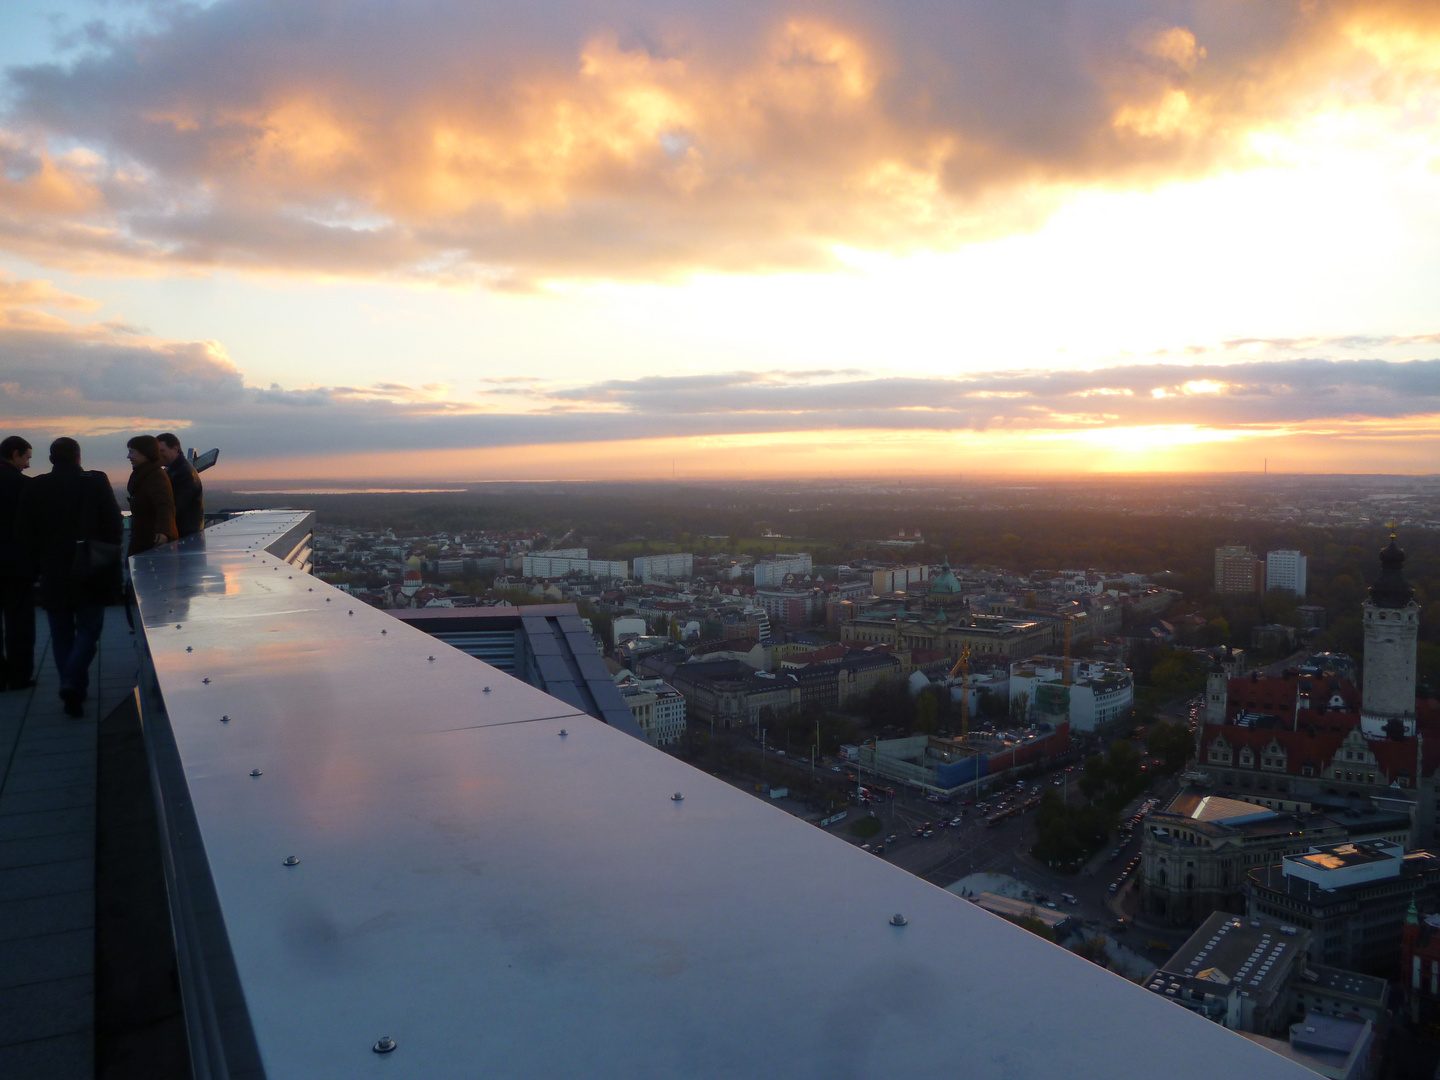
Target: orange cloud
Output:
{"points": [[440, 144]]}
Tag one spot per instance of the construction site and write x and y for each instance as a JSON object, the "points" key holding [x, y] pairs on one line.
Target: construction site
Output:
{"points": [[949, 767]]}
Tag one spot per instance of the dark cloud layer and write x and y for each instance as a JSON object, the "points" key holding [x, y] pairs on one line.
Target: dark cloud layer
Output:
{"points": [[622, 137], [51, 369]]}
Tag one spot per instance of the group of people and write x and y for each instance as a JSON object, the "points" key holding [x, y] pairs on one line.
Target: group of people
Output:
{"points": [[63, 529]]}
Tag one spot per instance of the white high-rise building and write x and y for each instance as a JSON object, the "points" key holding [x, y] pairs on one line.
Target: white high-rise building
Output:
{"points": [[680, 564], [1285, 570], [773, 572]]}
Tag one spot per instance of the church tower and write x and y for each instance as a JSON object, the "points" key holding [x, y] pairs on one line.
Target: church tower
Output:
{"points": [[1391, 620]]}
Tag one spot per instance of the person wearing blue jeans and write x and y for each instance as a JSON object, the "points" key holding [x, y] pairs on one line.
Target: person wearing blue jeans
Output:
{"points": [[68, 531], [74, 637]]}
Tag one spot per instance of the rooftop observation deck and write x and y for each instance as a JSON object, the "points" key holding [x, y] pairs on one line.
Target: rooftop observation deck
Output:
{"points": [[504, 886]]}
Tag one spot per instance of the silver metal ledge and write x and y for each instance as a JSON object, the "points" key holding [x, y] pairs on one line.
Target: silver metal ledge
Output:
{"points": [[504, 900]]}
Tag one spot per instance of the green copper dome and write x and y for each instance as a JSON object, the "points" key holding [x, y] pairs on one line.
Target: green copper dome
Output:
{"points": [[945, 583]]}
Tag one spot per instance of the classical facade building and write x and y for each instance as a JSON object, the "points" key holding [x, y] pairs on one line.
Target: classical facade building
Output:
{"points": [[1197, 853], [1000, 635]]}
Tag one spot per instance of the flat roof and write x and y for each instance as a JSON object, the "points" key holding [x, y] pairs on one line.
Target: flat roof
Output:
{"points": [[1252, 955], [1348, 983], [1019, 909], [1230, 811], [1341, 856]]}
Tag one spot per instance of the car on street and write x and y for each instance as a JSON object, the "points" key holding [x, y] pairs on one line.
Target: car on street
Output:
{"points": [[1069, 898], [891, 838]]}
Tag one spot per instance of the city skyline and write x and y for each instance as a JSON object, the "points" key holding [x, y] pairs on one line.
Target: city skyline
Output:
{"points": [[593, 241]]}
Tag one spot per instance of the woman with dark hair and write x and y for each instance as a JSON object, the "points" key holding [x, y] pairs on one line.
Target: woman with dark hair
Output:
{"points": [[152, 503]]}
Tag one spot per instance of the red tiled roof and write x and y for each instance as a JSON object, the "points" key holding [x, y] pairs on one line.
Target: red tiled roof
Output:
{"points": [[1276, 696]]}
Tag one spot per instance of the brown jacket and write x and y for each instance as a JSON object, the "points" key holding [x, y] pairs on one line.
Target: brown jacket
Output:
{"points": [[152, 506]]}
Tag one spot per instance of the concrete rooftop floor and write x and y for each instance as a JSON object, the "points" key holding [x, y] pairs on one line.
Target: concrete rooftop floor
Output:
{"points": [[47, 860]]}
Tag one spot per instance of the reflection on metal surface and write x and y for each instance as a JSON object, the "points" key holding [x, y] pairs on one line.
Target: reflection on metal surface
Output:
{"points": [[506, 903]]}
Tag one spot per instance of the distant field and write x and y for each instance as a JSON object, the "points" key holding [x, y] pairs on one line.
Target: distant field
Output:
{"points": [[633, 549]]}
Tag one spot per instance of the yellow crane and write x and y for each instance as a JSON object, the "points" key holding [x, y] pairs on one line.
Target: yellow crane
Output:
{"points": [[963, 665]]}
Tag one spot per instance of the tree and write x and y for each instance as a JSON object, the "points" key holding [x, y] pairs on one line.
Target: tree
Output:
{"points": [[1170, 742], [1019, 707], [927, 708], [1123, 766], [1095, 777]]}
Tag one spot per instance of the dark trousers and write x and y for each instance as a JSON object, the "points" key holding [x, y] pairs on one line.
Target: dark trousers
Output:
{"points": [[74, 637], [17, 612]]}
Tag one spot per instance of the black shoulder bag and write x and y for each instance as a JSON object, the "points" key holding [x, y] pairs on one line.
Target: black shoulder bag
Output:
{"points": [[94, 559]]}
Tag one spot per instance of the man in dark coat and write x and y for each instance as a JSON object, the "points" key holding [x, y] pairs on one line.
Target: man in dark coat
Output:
{"points": [[17, 593], [57, 511], [184, 485]]}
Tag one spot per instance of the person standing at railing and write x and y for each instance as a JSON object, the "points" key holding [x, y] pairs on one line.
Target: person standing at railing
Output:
{"points": [[68, 529], [152, 502], [184, 484], [17, 591]]}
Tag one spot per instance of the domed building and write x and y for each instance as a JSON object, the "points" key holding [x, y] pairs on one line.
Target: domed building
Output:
{"points": [[944, 591]]}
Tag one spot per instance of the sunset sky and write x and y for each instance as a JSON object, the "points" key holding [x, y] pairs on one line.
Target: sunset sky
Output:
{"points": [[365, 239]]}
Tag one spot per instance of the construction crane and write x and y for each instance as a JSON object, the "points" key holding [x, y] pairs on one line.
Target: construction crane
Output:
{"points": [[963, 665]]}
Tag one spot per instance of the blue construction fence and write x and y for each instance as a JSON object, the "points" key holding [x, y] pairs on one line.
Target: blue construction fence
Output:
{"points": [[965, 771]]}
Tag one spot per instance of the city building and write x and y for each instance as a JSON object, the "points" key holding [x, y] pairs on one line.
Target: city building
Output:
{"points": [[1225, 664], [790, 607], [898, 579], [1312, 735], [673, 567], [1100, 692], [1286, 570], [1236, 972], [1335, 1047], [1391, 619], [1331, 991], [946, 766], [723, 693], [1420, 966], [1351, 897], [774, 571], [1197, 852], [1001, 635], [1238, 571], [550, 565], [659, 709]]}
